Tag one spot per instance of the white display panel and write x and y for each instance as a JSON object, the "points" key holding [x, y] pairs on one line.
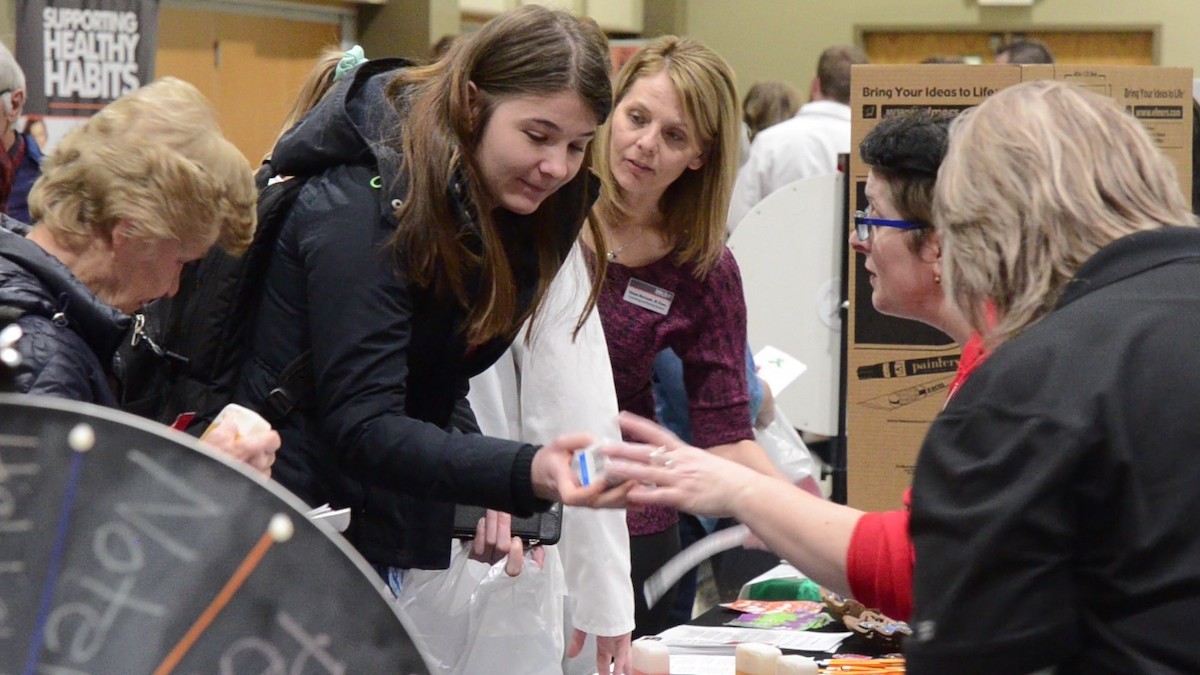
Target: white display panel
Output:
{"points": [[790, 248]]}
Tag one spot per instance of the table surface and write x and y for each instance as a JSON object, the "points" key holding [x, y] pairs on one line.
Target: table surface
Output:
{"points": [[855, 644]]}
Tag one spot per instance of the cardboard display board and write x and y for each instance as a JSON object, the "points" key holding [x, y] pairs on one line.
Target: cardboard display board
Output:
{"points": [[899, 371], [127, 548]]}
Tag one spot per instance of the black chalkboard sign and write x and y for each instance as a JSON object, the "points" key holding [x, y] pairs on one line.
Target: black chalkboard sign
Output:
{"points": [[127, 548]]}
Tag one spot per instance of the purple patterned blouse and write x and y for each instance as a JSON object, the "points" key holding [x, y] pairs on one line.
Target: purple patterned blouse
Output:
{"points": [[705, 324]]}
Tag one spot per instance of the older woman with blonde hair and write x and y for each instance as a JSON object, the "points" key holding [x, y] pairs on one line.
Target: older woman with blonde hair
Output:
{"points": [[129, 197], [1055, 513], [158, 154]]}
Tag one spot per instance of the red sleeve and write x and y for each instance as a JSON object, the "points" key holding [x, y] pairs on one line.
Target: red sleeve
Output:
{"points": [[879, 562]]}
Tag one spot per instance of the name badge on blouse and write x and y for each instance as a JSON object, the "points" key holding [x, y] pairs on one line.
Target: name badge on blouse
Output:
{"points": [[649, 296]]}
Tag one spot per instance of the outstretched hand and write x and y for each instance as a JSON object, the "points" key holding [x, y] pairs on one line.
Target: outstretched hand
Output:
{"points": [[668, 472]]}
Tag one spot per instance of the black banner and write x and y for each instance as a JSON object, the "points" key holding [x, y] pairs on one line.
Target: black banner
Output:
{"points": [[79, 55]]}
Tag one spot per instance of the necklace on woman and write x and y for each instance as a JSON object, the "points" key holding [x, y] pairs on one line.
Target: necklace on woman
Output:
{"points": [[614, 254]]}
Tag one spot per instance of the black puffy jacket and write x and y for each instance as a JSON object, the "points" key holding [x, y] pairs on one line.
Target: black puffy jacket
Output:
{"points": [[70, 335], [387, 429]]}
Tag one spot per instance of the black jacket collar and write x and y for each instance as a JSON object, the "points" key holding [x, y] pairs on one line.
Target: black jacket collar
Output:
{"points": [[38, 283], [1130, 255]]}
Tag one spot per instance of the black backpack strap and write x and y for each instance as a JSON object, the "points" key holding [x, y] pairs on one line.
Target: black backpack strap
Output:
{"points": [[139, 336], [295, 386]]}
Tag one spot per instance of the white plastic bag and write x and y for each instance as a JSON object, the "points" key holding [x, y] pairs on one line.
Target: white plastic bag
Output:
{"points": [[474, 618], [788, 452]]}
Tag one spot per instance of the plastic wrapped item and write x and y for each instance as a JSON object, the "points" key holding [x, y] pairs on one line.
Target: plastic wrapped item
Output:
{"points": [[650, 656], [795, 588], [753, 658], [588, 464], [248, 422], [788, 452], [472, 616]]}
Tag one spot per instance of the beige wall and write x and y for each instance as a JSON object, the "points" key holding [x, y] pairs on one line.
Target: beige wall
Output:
{"points": [[406, 27], [8, 23], [781, 39]]}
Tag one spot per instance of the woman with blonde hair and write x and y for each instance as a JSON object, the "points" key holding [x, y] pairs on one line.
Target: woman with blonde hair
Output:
{"points": [[1055, 515], [129, 197], [143, 187], [668, 159], [868, 555], [173, 114]]}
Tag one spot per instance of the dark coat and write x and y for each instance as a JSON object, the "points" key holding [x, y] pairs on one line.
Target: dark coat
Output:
{"points": [[387, 430], [1055, 513], [24, 176], [70, 335]]}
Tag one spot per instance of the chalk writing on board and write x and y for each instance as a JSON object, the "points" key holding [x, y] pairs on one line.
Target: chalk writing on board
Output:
{"points": [[17, 455], [252, 654], [78, 628], [140, 515], [15, 464], [111, 555]]}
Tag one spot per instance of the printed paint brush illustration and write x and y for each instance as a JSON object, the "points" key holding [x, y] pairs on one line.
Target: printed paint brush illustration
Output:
{"points": [[903, 397], [909, 367]]}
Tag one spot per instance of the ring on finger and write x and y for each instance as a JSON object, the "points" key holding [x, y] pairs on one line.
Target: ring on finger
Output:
{"points": [[668, 463], [656, 456]]}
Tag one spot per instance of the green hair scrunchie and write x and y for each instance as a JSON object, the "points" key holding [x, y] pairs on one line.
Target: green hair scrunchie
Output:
{"points": [[350, 60]]}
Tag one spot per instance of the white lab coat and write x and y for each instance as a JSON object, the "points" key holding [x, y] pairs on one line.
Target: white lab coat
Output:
{"points": [[805, 146], [551, 386]]}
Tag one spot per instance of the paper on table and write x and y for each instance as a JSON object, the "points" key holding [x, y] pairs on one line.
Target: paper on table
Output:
{"points": [[339, 518], [777, 368], [717, 639]]}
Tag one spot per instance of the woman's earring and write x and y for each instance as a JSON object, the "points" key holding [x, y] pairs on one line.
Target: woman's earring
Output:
{"points": [[937, 278]]}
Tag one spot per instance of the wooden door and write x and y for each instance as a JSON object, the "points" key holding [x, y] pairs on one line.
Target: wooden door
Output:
{"points": [[250, 67], [1124, 47]]}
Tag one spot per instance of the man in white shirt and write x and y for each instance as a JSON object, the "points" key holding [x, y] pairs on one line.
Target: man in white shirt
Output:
{"points": [[806, 145]]}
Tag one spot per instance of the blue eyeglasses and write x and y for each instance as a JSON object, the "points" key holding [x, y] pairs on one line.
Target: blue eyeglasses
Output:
{"points": [[863, 222]]}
